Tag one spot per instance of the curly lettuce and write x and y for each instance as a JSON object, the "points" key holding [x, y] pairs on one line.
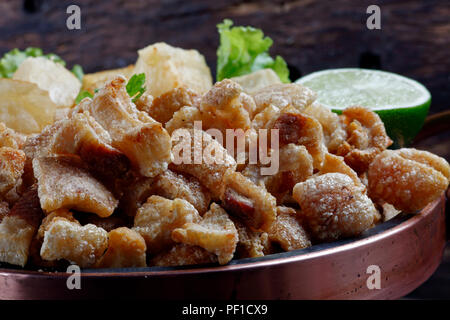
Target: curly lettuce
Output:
{"points": [[243, 50]]}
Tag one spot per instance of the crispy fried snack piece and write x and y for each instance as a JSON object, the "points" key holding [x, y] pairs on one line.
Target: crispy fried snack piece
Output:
{"points": [[18, 228], [164, 106], [10, 138], [226, 106], [12, 163], [287, 231], [57, 214], [184, 118], [83, 136], [333, 163], [251, 243], [210, 167], [242, 198], [136, 193], [215, 232], [4, 210], [333, 207], [366, 137], [183, 255], [333, 131], [110, 223], [407, 178], [158, 217], [173, 185], [82, 245], [126, 248], [143, 140], [283, 95], [304, 130], [63, 182]]}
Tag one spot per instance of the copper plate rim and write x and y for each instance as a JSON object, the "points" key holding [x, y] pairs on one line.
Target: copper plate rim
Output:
{"points": [[242, 264]]}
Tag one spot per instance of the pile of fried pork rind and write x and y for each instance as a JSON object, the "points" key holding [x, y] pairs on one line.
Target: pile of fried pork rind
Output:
{"points": [[99, 188]]}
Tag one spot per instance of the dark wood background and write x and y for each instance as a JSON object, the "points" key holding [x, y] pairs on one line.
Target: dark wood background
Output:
{"points": [[414, 41]]}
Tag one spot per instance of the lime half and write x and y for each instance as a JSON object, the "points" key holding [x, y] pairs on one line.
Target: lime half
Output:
{"points": [[401, 103]]}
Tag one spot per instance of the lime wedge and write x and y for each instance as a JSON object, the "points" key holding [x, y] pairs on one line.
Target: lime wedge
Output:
{"points": [[401, 103]]}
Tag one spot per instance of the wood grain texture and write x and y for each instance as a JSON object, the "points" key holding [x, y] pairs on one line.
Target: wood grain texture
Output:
{"points": [[310, 35]]}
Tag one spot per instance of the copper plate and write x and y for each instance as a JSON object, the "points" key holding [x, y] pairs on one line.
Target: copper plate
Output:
{"points": [[406, 249]]}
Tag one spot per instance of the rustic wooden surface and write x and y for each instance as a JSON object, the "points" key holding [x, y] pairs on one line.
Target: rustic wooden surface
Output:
{"points": [[414, 39], [311, 35]]}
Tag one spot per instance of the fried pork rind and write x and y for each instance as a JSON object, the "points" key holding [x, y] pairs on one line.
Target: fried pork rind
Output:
{"points": [[366, 138], [163, 107], [109, 223], [57, 214], [304, 130], [136, 194], [143, 140], [24, 107], [287, 231], [92, 81], [333, 131], [210, 168], [333, 207], [158, 217], [172, 185], [225, 106], [407, 178], [252, 204], [251, 243], [183, 255], [333, 163], [283, 95], [82, 245], [11, 139], [61, 84], [18, 228], [4, 210], [255, 81], [64, 182], [126, 249], [184, 118], [215, 232], [167, 67], [12, 163]]}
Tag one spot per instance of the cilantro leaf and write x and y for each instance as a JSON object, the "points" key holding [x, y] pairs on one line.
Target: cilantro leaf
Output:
{"points": [[135, 86], [12, 59], [82, 95], [243, 50], [77, 70]]}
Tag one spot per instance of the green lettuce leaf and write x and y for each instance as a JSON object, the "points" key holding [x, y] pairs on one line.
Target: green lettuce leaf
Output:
{"points": [[243, 50]]}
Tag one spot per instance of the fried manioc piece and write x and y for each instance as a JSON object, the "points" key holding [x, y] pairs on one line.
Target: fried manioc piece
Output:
{"points": [[183, 255], [12, 163], [428, 158], [17, 229], [173, 185], [333, 207], [93, 81], [333, 131], [164, 106], [257, 80], [82, 245], [226, 106], [168, 67], [366, 137], [126, 249], [252, 204], [64, 182], [143, 140], [10, 138], [287, 231], [158, 217], [84, 136], [304, 130], [211, 167], [407, 184], [215, 232], [183, 118], [333, 163], [251, 243], [283, 95]]}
